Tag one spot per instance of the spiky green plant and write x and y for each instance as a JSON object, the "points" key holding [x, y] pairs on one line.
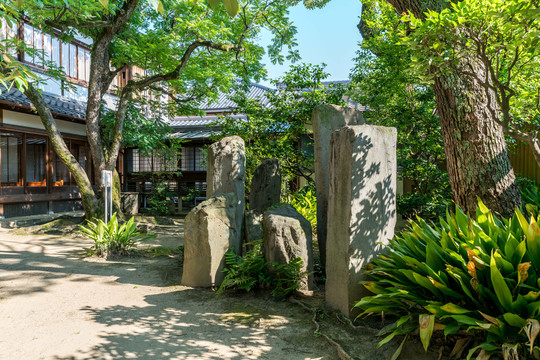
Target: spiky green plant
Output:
{"points": [[480, 278], [113, 238]]}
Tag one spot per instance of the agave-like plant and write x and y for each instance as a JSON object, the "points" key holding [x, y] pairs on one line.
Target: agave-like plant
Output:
{"points": [[479, 278], [114, 238]]}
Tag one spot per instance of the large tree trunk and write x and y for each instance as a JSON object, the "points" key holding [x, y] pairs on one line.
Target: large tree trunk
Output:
{"points": [[476, 156], [90, 201], [477, 159]]}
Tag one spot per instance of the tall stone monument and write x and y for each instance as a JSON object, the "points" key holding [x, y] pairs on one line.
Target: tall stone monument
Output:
{"points": [[226, 173], [210, 231], [326, 119], [361, 207]]}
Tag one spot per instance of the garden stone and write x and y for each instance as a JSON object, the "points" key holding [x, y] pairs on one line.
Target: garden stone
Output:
{"points": [[287, 235], [325, 120], [361, 208], [265, 186], [130, 203], [226, 173], [210, 230]]}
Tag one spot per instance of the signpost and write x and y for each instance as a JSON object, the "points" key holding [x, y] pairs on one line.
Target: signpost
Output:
{"points": [[106, 177]]}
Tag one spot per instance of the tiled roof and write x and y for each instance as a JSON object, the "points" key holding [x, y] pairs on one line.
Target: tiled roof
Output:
{"points": [[192, 135], [58, 104], [225, 104], [191, 122]]}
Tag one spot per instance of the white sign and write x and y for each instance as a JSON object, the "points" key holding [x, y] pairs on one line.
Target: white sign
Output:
{"points": [[106, 180]]}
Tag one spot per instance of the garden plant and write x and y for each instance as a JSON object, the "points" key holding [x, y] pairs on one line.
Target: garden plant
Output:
{"points": [[113, 238], [475, 278]]}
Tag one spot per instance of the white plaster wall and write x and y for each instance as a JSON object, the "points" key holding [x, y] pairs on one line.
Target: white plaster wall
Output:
{"points": [[34, 122]]}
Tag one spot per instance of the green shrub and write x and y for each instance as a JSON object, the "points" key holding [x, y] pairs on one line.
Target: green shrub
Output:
{"points": [[252, 272], [305, 202], [480, 278], [113, 238], [530, 192], [158, 200]]}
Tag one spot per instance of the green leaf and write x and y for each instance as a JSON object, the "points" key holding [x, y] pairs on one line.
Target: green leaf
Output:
{"points": [[398, 350], [213, 3], [231, 6], [499, 285], [105, 3], [514, 320], [427, 322], [160, 8], [454, 309]]}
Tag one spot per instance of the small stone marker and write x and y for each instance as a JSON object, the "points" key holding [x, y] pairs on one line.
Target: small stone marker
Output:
{"points": [[226, 173], [265, 186], [361, 208], [210, 230], [287, 235], [326, 119], [130, 203]]}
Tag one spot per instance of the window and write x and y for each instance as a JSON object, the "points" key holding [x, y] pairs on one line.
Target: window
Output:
{"points": [[138, 162], [193, 159], [8, 32], [72, 58], [36, 149], [10, 149]]}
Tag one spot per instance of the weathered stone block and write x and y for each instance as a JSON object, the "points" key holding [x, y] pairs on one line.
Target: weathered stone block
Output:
{"points": [[326, 119], [226, 173], [265, 186], [130, 203], [210, 229], [287, 235], [361, 208]]}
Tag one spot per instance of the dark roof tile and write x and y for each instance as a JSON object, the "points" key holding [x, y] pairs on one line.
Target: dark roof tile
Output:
{"points": [[58, 104]]}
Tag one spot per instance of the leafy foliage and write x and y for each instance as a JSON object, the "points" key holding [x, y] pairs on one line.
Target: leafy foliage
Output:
{"points": [[278, 127], [160, 197], [252, 272], [504, 36], [479, 278], [113, 238], [180, 51], [305, 202], [396, 96]]}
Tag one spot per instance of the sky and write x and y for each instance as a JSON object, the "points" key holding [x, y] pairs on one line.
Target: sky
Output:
{"points": [[328, 35]]}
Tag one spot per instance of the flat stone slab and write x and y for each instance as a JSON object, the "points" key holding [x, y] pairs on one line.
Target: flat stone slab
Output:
{"points": [[326, 119], [361, 208]]}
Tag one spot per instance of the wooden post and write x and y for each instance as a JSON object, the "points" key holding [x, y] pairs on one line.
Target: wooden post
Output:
{"points": [[23, 163], [49, 166]]}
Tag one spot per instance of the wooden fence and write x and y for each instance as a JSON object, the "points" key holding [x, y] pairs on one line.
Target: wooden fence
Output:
{"points": [[522, 160]]}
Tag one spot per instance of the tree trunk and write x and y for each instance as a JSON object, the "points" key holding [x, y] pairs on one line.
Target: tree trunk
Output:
{"points": [[476, 156], [477, 159], [89, 199]]}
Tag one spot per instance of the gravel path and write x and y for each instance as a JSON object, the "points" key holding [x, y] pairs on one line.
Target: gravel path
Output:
{"points": [[57, 304]]}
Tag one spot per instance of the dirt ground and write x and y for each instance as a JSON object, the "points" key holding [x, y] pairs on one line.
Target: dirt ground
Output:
{"points": [[57, 303]]}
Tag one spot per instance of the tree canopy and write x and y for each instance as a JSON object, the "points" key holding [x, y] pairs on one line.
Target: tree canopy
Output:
{"points": [[280, 126], [187, 52]]}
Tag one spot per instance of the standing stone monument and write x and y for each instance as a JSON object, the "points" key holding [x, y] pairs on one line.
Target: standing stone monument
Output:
{"points": [[265, 186], [226, 172], [210, 230], [287, 235], [361, 208], [326, 119]]}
